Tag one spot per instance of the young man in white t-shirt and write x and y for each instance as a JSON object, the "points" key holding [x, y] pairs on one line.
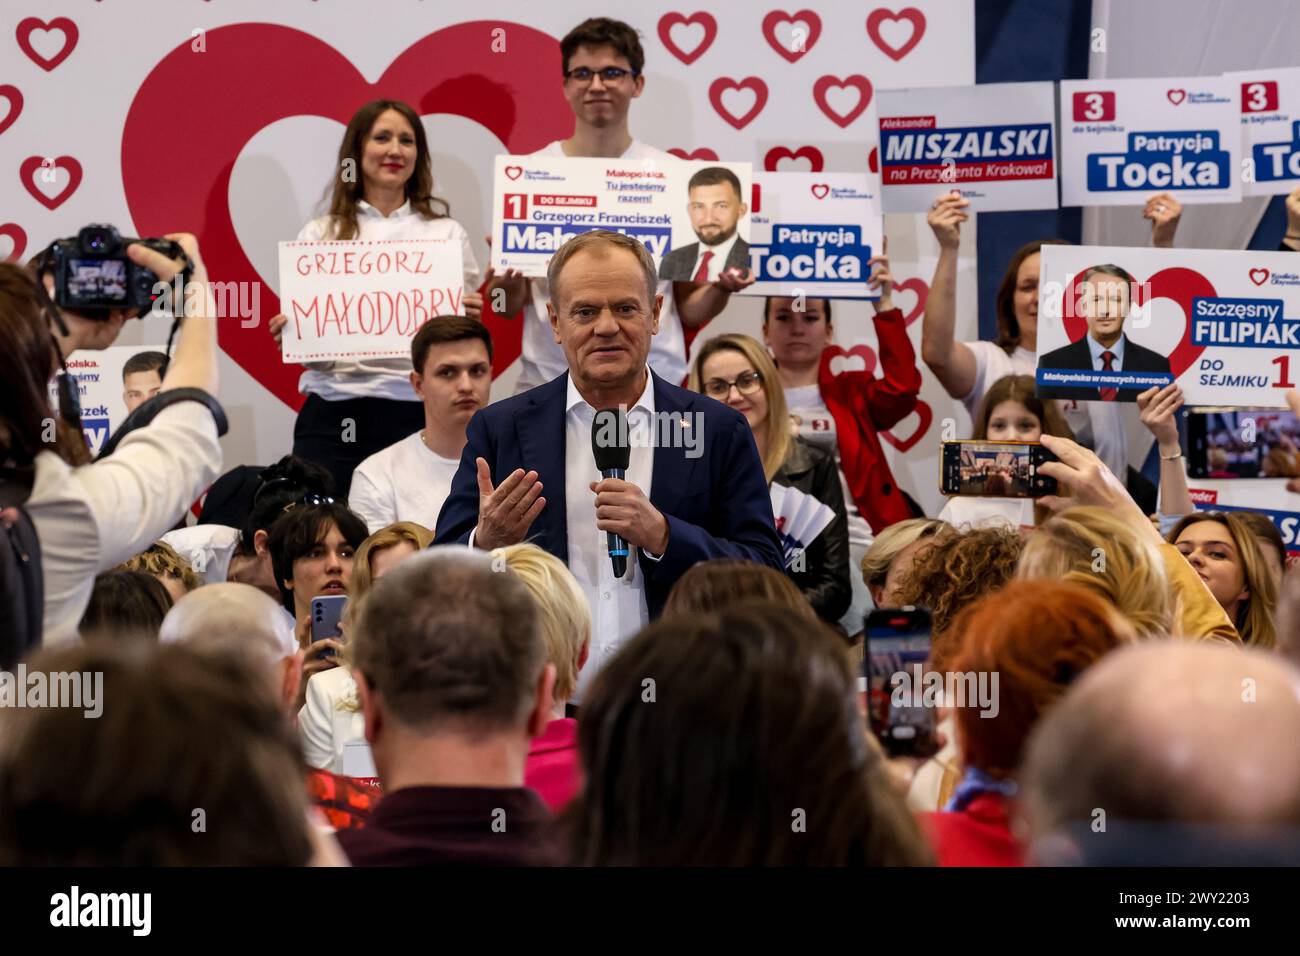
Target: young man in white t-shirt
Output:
{"points": [[603, 61], [409, 480]]}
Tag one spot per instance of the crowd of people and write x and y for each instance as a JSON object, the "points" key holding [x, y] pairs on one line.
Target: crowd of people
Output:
{"points": [[459, 637]]}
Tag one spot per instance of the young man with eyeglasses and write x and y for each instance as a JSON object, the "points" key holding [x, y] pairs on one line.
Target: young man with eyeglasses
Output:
{"points": [[602, 62]]}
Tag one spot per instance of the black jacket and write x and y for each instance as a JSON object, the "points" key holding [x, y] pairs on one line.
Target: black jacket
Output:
{"points": [[825, 578], [1078, 357]]}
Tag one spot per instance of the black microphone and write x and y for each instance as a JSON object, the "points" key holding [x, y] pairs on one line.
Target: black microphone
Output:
{"points": [[610, 446]]}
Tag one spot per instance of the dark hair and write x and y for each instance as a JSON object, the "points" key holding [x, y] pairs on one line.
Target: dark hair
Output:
{"points": [[716, 176], [733, 739], [125, 604], [145, 362], [179, 730], [1021, 389], [300, 529], [27, 360], [767, 307], [602, 31], [716, 585], [347, 190], [1108, 269], [289, 480], [448, 641], [1008, 325], [447, 328]]}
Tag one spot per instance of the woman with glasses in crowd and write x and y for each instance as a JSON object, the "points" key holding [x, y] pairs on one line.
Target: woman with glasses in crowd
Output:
{"points": [[736, 370]]}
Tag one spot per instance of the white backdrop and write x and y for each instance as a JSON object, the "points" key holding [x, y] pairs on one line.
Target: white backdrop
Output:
{"points": [[273, 177]]}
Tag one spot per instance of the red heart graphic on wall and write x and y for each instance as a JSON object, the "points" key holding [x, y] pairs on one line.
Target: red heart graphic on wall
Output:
{"points": [[697, 154], [801, 40], [821, 93], [513, 172], [859, 358], [924, 418], [896, 51], [14, 97], [1176, 284], [772, 160], [724, 84], [670, 20], [1259, 276], [28, 170], [17, 238], [873, 159], [820, 190], [1176, 96], [30, 25], [922, 290], [444, 72]]}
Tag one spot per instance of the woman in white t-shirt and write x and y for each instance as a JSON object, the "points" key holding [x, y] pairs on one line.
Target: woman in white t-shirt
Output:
{"points": [[1011, 411], [967, 370], [383, 189]]}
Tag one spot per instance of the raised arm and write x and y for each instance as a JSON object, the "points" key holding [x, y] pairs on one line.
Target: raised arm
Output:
{"points": [[1158, 406], [952, 363]]}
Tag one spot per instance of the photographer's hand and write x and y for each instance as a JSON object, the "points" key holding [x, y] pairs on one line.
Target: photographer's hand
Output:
{"points": [[194, 362]]}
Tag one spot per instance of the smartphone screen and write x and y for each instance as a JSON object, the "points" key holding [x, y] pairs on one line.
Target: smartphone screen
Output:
{"points": [[326, 612], [995, 469], [1243, 443], [897, 648]]}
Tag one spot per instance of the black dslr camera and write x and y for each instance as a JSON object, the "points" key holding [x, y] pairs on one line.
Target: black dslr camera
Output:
{"points": [[92, 273]]}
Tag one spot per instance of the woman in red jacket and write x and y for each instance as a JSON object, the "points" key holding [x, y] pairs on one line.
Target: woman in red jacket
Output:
{"points": [[844, 413]]}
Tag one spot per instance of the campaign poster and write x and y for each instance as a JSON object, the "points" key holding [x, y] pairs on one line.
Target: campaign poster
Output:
{"points": [[365, 298], [1124, 140], [102, 392], [814, 234], [993, 142], [682, 211], [1113, 322], [1270, 125]]}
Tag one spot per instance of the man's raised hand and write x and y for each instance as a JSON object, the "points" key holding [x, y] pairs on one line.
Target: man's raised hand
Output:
{"points": [[505, 513]]}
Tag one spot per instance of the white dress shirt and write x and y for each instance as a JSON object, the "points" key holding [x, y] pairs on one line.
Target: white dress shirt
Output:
{"points": [[718, 262], [618, 606], [542, 359]]}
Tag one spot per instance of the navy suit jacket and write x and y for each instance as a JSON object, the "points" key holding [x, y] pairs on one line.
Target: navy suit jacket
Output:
{"points": [[717, 505], [1077, 356]]}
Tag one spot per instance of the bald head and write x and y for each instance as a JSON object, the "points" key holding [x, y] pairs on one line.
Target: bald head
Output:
{"points": [[1172, 733], [226, 615]]}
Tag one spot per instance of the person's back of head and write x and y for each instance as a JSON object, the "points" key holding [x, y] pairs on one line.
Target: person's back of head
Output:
{"points": [[1165, 732], [163, 561], [189, 761], [1091, 547], [721, 583], [1034, 639], [733, 739], [447, 645], [125, 605]]}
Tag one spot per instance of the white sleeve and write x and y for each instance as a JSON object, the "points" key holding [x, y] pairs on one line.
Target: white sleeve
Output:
{"points": [[368, 500], [316, 725], [315, 230], [137, 494], [980, 352], [472, 275]]}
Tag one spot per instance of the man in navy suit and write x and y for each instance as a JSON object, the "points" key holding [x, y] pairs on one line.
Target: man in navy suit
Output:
{"points": [[1105, 299], [694, 488]]}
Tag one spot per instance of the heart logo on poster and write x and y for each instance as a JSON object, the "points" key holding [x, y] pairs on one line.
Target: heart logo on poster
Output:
{"points": [[514, 172], [698, 27], [805, 27], [777, 155], [696, 154], [1259, 276], [1176, 96], [844, 100], [820, 190], [14, 97], [921, 289], [33, 32], [725, 92], [896, 34], [1178, 284], [873, 159], [859, 358], [35, 180], [443, 72], [17, 242], [924, 418]]}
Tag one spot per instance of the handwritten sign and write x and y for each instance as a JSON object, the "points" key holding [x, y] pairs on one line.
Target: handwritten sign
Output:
{"points": [[365, 298]]}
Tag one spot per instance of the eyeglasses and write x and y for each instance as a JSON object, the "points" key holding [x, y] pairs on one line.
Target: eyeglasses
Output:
{"points": [[610, 74], [747, 383]]}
